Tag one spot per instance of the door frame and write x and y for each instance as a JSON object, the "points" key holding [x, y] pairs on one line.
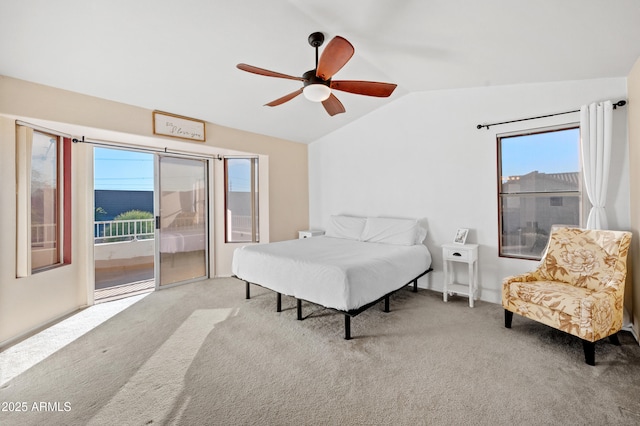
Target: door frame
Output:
{"points": [[115, 147]]}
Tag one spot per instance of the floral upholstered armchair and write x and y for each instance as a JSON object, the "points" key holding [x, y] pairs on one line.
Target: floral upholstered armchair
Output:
{"points": [[578, 286]]}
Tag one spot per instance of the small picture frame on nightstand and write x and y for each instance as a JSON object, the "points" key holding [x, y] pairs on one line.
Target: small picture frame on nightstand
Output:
{"points": [[461, 235]]}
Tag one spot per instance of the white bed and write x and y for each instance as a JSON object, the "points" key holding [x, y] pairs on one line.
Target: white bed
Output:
{"points": [[359, 262]]}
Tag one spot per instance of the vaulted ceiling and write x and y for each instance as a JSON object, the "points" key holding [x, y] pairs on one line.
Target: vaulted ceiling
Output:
{"points": [[181, 56]]}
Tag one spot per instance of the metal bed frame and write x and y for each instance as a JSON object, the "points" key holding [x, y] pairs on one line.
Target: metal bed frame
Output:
{"points": [[347, 314]]}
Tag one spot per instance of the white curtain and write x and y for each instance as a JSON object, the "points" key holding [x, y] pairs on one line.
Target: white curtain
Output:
{"points": [[596, 135]]}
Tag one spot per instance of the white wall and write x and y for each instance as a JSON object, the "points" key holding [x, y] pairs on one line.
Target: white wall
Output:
{"points": [[422, 156]]}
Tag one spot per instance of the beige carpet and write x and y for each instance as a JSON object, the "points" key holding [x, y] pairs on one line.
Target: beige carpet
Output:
{"points": [[200, 354]]}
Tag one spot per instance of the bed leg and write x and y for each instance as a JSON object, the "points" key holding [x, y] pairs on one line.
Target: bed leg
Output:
{"points": [[386, 303], [248, 295], [279, 302], [415, 285], [347, 327], [299, 309]]}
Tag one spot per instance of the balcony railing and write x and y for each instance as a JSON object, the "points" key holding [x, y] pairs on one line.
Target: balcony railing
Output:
{"points": [[110, 231], [44, 234], [241, 228]]}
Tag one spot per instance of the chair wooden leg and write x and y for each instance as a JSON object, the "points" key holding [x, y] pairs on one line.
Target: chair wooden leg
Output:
{"points": [[508, 317], [589, 352], [614, 339]]}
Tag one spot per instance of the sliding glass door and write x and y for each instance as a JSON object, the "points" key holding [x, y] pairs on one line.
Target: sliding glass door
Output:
{"points": [[182, 249]]}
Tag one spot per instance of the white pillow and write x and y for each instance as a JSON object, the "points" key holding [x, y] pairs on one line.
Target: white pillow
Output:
{"points": [[403, 232], [349, 227], [421, 234]]}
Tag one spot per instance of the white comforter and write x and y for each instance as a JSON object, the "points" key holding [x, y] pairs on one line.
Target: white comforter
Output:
{"points": [[333, 272]]}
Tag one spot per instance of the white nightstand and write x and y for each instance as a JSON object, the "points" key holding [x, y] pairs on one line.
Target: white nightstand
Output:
{"points": [[464, 253], [310, 233]]}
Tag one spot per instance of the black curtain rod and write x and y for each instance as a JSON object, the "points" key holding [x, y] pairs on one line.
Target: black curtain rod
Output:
{"points": [[145, 149], [480, 126]]}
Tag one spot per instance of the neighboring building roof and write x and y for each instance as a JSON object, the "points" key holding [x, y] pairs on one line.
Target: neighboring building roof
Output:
{"points": [[536, 181]]}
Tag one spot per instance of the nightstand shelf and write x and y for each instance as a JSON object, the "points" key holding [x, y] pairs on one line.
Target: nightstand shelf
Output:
{"points": [[460, 253]]}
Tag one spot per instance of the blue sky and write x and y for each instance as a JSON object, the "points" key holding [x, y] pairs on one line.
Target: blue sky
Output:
{"points": [[524, 154], [119, 169], [240, 174], [123, 170]]}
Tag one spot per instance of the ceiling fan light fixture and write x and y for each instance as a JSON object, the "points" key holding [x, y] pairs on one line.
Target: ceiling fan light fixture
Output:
{"points": [[317, 92], [318, 85]]}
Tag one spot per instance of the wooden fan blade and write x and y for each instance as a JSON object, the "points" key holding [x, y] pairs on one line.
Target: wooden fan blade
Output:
{"points": [[334, 56], [262, 71], [333, 105], [368, 88], [285, 98]]}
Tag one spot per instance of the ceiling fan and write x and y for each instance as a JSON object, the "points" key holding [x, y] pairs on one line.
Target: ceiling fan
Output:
{"points": [[318, 83]]}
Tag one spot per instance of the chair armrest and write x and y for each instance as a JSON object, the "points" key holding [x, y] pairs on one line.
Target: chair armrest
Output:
{"points": [[520, 278], [614, 286], [601, 313]]}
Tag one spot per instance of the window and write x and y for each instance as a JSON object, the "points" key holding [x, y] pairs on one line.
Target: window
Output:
{"points": [[539, 186], [241, 200], [43, 201]]}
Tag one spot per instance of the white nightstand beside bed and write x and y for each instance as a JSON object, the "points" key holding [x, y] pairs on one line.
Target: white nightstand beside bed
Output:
{"points": [[460, 253], [309, 233]]}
